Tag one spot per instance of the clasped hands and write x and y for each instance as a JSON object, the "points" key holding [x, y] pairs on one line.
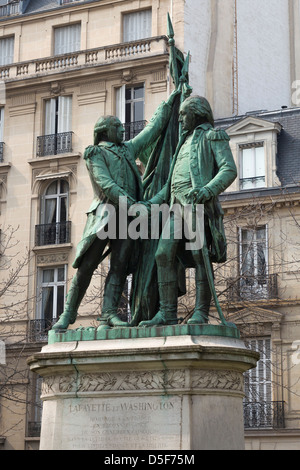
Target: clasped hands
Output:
{"points": [[195, 196]]}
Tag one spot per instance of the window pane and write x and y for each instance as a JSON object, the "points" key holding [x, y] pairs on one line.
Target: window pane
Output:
{"points": [[61, 274], [47, 303], [1, 124], [67, 39], [50, 211], [64, 187], [138, 92], [64, 115], [52, 189], [60, 300], [137, 25], [248, 163], [63, 210], [48, 275], [128, 113], [260, 161], [139, 111], [128, 93], [6, 51]]}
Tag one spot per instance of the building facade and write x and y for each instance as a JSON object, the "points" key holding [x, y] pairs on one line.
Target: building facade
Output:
{"points": [[65, 63]]}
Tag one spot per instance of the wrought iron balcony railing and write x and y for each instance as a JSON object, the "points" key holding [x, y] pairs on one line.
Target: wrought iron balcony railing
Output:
{"points": [[133, 128], [54, 144], [33, 429], [265, 414], [1, 151], [38, 330], [53, 234], [252, 288]]}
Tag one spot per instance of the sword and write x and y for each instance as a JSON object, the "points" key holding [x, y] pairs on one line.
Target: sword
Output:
{"points": [[210, 277]]}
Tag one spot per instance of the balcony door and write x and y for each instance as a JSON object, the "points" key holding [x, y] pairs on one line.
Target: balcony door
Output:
{"points": [[253, 263], [130, 109], [57, 127], [58, 115], [1, 132], [54, 214], [258, 405]]}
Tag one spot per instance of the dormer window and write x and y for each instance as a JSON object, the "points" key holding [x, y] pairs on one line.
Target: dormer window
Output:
{"points": [[252, 166], [253, 142]]}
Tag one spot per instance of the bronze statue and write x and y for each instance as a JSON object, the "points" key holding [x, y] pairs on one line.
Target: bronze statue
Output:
{"points": [[112, 167], [188, 162], [202, 168]]}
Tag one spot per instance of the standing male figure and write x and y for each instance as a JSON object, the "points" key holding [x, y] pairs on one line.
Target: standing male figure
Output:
{"points": [[114, 174], [204, 168]]}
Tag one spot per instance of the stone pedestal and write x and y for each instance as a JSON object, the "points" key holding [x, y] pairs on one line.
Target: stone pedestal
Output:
{"points": [[160, 393]]}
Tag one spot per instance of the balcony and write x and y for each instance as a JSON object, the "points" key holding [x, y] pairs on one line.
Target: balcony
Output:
{"points": [[54, 144], [253, 183], [38, 330], [11, 8], [53, 234], [252, 288], [264, 415], [132, 129], [1, 151], [85, 59], [34, 429]]}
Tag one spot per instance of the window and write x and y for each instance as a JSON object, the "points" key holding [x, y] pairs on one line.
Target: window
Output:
{"points": [[54, 228], [6, 51], [67, 39], [137, 25], [258, 410], [253, 262], [1, 133], [58, 115], [36, 406], [1, 123], [52, 292], [57, 136], [130, 109], [252, 167]]}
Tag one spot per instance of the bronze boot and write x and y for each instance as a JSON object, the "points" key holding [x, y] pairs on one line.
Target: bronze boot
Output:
{"points": [[167, 314], [203, 299], [69, 315]]}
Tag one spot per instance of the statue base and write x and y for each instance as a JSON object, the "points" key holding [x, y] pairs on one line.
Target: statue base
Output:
{"points": [[157, 393]]}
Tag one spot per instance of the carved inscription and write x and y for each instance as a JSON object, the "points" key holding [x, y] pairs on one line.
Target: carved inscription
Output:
{"points": [[133, 423]]}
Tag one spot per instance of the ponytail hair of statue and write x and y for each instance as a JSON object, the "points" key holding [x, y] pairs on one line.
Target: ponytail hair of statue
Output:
{"points": [[102, 126], [201, 107]]}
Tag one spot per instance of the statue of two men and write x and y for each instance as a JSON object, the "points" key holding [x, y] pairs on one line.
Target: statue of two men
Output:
{"points": [[204, 168]]}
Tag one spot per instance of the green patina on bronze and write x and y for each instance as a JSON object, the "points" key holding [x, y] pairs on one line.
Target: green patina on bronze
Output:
{"points": [[93, 334], [187, 161]]}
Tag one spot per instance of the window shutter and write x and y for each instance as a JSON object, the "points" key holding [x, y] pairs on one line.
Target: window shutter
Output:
{"points": [[1, 123], [120, 103], [50, 116], [64, 114]]}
